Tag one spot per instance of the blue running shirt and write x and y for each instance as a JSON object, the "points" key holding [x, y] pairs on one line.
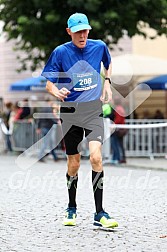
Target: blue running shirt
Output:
{"points": [[78, 69]]}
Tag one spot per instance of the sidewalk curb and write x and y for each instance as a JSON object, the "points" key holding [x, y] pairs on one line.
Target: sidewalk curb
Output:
{"points": [[145, 167], [135, 166]]}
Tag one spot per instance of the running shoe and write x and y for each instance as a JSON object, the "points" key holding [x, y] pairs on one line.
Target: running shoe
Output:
{"points": [[70, 217], [102, 219]]}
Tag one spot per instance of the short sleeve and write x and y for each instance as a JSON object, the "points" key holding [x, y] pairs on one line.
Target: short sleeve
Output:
{"points": [[53, 66], [106, 59]]}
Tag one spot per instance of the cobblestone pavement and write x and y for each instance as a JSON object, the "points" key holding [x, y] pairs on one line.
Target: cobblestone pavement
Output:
{"points": [[32, 204]]}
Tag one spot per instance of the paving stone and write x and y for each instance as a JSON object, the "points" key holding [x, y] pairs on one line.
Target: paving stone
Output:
{"points": [[32, 204]]}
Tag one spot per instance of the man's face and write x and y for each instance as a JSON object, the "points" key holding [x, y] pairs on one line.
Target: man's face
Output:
{"points": [[79, 38]]}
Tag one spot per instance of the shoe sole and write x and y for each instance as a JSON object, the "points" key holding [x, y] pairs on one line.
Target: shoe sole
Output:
{"points": [[99, 224], [69, 223]]}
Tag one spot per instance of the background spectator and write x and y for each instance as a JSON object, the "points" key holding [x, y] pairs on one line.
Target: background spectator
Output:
{"points": [[44, 126], [6, 117], [26, 112], [146, 114], [158, 114], [118, 117]]}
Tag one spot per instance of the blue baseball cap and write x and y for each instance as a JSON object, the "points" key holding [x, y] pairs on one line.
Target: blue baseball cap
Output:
{"points": [[78, 22]]}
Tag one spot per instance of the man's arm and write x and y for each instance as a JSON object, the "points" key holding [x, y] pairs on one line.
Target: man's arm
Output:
{"points": [[59, 94], [107, 93]]}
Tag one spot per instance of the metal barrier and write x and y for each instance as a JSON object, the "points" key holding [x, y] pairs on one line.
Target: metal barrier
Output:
{"points": [[24, 136], [146, 141], [54, 132], [139, 142]]}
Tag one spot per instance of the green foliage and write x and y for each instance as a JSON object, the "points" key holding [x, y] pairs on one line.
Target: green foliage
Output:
{"points": [[39, 25]]}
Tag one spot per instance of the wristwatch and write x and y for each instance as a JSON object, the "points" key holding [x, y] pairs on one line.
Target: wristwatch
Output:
{"points": [[107, 78]]}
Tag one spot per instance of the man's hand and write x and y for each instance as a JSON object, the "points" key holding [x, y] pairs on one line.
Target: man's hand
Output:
{"points": [[62, 93], [107, 93], [59, 94]]}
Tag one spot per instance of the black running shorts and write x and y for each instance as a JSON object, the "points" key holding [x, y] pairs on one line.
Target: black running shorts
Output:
{"points": [[79, 119]]}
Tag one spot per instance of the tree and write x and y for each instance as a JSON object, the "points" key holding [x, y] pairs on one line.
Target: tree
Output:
{"points": [[39, 25]]}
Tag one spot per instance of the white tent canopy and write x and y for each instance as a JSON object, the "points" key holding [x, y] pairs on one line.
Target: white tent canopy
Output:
{"points": [[131, 64], [132, 69]]}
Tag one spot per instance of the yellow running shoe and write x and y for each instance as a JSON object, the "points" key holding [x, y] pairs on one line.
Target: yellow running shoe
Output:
{"points": [[102, 219], [70, 217]]}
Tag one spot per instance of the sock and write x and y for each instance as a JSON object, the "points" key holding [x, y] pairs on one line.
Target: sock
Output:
{"points": [[72, 187], [97, 181]]}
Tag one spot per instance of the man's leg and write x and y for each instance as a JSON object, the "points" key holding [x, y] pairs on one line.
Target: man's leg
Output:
{"points": [[45, 141], [115, 147], [73, 164], [122, 157], [97, 173], [73, 137], [52, 140], [101, 218]]}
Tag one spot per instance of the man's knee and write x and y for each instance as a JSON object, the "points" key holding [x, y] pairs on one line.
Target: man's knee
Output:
{"points": [[73, 164], [95, 159]]}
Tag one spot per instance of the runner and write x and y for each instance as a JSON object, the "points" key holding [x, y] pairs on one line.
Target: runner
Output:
{"points": [[79, 62]]}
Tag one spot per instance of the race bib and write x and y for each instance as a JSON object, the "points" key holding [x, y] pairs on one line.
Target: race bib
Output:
{"points": [[85, 81]]}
